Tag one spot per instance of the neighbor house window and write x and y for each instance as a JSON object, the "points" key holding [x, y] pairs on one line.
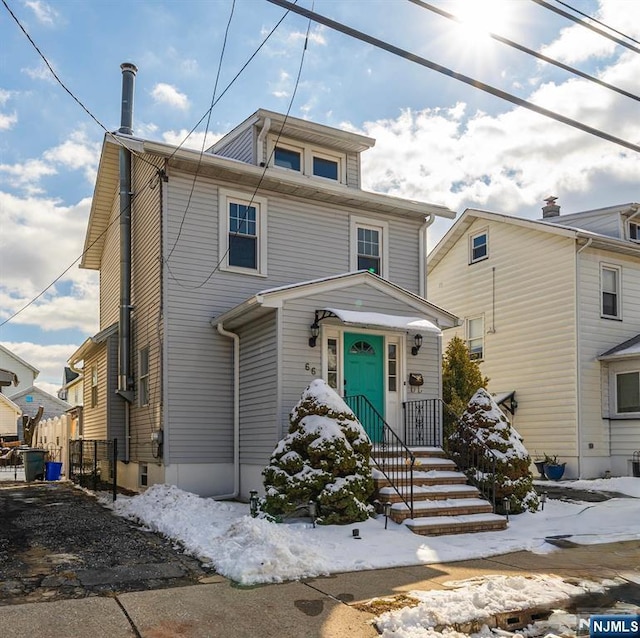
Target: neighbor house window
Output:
{"points": [[475, 338], [610, 292], [478, 247], [243, 233], [633, 231], [143, 376], [369, 246], [94, 386], [627, 392]]}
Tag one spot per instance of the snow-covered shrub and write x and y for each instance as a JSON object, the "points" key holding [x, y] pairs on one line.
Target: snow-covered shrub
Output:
{"points": [[324, 458], [512, 475]]}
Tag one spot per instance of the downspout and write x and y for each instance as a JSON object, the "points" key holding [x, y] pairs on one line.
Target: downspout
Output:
{"points": [[422, 283], [578, 349], [125, 380], [236, 413], [260, 142]]}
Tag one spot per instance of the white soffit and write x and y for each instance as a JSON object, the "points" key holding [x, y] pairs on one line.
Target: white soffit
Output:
{"points": [[379, 320]]}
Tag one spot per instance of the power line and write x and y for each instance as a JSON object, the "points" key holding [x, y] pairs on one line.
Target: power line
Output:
{"points": [[531, 52], [412, 57], [564, 14], [68, 90], [264, 171], [604, 24]]}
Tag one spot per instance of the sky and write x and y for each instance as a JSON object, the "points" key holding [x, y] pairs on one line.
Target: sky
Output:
{"points": [[438, 140]]}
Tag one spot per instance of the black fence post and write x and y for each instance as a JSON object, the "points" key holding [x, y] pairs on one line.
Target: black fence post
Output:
{"points": [[115, 469]]}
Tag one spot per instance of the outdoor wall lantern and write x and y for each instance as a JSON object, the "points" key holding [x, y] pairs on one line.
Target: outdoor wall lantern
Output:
{"points": [[417, 344], [253, 503], [315, 331]]}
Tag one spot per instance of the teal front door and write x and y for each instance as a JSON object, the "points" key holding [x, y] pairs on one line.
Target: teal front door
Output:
{"points": [[364, 375]]}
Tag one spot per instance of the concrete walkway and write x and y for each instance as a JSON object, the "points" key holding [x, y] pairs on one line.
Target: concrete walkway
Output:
{"points": [[332, 607]]}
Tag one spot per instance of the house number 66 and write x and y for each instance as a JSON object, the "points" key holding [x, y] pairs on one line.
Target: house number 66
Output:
{"points": [[307, 366]]}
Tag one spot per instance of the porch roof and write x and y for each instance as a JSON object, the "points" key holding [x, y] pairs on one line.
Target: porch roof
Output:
{"points": [[380, 320], [628, 349]]}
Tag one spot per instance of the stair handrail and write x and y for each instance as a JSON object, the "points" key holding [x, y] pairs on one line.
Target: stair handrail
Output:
{"points": [[468, 457], [404, 462]]}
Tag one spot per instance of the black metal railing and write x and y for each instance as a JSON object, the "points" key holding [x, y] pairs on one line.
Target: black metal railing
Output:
{"points": [[390, 455], [472, 456], [423, 422], [93, 464]]}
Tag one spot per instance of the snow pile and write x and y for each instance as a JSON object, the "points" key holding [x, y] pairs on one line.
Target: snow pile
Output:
{"points": [[476, 600], [622, 485]]}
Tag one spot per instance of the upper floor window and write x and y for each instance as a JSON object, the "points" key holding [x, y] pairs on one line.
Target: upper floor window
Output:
{"points": [[478, 247], [475, 338], [627, 392], [94, 386], [307, 160], [633, 231], [143, 376], [369, 245], [243, 233], [610, 292]]}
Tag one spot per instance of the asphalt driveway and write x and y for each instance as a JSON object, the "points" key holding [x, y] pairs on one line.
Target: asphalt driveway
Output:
{"points": [[57, 542]]}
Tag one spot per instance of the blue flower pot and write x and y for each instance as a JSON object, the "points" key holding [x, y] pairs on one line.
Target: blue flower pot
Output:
{"points": [[554, 472]]}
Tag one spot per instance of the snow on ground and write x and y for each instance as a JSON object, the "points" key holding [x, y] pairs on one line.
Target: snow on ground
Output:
{"points": [[252, 551], [621, 484]]}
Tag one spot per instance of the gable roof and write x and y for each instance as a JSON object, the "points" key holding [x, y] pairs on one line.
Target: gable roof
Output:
{"points": [[628, 349], [274, 297], [52, 405], [470, 215], [304, 130], [14, 356], [242, 175]]}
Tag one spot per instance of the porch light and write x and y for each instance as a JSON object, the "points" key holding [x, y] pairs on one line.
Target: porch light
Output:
{"points": [[315, 331], [417, 344], [253, 503], [506, 504]]}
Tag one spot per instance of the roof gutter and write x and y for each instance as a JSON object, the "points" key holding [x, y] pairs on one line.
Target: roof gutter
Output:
{"points": [[260, 142], [236, 413], [422, 284]]}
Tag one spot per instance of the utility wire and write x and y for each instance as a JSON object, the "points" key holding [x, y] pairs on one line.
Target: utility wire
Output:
{"points": [[603, 24], [412, 57], [206, 130], [531, 52], [564, 14], [258, 185], [64, 86]]}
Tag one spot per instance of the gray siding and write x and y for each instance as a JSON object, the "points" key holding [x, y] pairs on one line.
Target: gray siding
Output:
{"points": [[241, 148], [605, 223], [353, 170], [115, 404], [259, 430]]}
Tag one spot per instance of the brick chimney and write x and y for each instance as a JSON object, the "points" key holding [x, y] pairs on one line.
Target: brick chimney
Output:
{"points": [[551, 209]]}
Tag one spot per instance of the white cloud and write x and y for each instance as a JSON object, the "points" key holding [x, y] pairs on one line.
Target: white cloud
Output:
{"points": [[27, 175], [167, 94], [194, 140], [40, 72], [43, 12], [7, 121]]}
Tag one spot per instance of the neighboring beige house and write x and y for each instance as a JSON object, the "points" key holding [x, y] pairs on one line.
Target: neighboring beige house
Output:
{"points": [[72, 390], [25, 372], [255, 267], [9, 415], [551, 310]]}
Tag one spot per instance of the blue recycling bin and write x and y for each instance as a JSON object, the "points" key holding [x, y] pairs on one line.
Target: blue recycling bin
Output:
{"points": [[52, 471], [33, 464]]}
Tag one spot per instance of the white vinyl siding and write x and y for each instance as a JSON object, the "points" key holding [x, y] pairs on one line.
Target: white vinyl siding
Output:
{"points": [[529, 324]]}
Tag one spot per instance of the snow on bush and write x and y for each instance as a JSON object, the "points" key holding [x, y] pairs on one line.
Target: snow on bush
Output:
{"points": [[514, 480], [324, 458]]}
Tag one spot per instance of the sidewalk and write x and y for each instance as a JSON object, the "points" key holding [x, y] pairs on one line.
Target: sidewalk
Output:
{"points": [[322, 607]]}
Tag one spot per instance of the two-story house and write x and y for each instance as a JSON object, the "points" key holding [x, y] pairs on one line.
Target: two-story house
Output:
{"points": [[230, 279], [551, 310]]}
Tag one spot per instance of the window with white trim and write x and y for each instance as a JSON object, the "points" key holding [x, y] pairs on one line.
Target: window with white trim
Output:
{"points": [[627, 392], [392, 367], [633, 231], [475, 338], [94, 386], [610, 297], [143, 376], [243, 232], [307, 160], [478, 247], [332, 363], [369, 246]]}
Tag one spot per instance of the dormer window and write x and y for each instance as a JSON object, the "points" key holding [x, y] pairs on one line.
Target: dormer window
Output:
{"points": [[308, 160], [633, 231]]}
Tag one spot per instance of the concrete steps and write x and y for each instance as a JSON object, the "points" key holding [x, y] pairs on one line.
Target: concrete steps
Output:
{"points": [[443, 501]]}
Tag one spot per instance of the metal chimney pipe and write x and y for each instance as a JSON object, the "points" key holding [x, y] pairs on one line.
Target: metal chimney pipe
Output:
{"points": [[129, 71]]}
